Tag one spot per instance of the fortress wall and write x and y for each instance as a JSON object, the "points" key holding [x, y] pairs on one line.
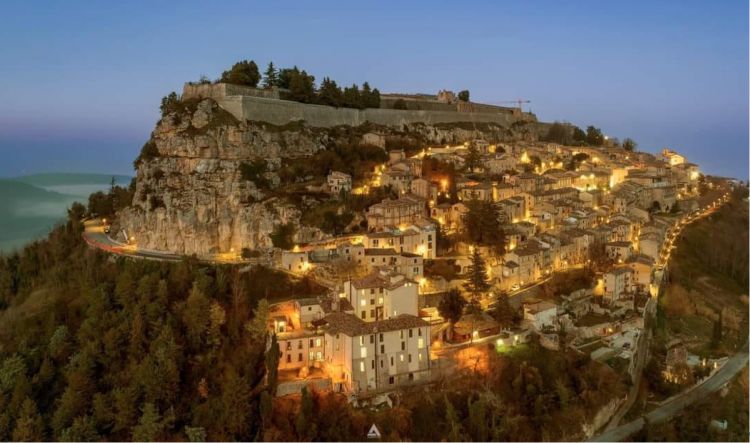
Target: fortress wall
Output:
{"points": [[218, 91], [280, 112], [417, 104]]}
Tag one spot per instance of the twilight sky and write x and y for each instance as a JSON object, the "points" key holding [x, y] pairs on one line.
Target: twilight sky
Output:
{"points": [[80, 82]]}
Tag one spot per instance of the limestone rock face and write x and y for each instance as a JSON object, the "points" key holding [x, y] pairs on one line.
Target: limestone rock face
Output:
{"points": [[190, 196]]}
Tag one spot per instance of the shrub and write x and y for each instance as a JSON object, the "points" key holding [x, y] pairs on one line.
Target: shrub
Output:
{"points": [[282, 236], [244, 73], [399, 104], [254, 171], [148, 152]]}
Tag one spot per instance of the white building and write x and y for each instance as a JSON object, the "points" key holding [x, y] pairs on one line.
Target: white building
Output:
{"points": [[382, 295], [541, 314], [362, 356], [414, 239], [339, 181], [618, 282]]}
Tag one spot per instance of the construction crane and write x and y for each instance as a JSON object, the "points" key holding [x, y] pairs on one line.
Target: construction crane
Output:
{"points": [[518, 102]]}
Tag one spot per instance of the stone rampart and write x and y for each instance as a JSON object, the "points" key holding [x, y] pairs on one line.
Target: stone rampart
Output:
{"points": [[280, 112], [218, 91], [247, 103]]}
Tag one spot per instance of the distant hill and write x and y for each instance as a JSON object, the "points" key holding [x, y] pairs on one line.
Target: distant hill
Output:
{"points": [[32, 204], [28, 212], [61, 179], [77, 184]]}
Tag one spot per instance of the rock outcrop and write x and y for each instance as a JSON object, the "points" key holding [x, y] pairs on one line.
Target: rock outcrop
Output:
{"points": [[190, 195]]}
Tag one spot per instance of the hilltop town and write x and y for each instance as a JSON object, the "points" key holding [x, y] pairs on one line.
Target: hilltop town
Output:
{"points": [[435, 228]]}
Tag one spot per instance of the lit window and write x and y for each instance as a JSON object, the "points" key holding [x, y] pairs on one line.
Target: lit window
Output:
{"points": [[401, 357], [380, 300], [363, 352], [361, 366], [363, 302], [317, 342], [420, 343]]}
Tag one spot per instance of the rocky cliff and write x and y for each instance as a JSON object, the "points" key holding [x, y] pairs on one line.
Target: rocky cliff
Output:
{"points": [[191, 196]]}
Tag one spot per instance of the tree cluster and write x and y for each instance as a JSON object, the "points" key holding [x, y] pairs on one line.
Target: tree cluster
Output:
{"points": [[244, 73], [298, 85], [132, 350], [482, 226]]}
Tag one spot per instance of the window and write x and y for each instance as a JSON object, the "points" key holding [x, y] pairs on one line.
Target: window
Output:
{"points": [[409, 358], [391, 361], [382, 349], [403, 345], [363, 302], [401, 357], [299, 344], [289, 358], [363, 352], [372, 313], [419, 332], [411, 333], [380, 300], [311, 343], [420, 356], [401, 334], [361, 366], [299, 357], [420, 343], [288, 346], [310, 356], [373, 364], [381, 364], [361, 340], [372, 301], [317, 342], [364, 314], [319, 355], [372, 339], [372, 291], [380, 290], [390, 380], [411, 376], [381, 336]]}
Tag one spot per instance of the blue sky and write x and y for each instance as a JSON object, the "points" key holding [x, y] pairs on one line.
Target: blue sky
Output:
{"points": [[80, 82]]}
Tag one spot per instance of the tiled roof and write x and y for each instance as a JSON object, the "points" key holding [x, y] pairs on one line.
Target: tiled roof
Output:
{"points": [[380, 251], [351, 325]]}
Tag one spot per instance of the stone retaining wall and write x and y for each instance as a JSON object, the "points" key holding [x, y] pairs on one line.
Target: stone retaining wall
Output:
{"points": [[280, 112]]}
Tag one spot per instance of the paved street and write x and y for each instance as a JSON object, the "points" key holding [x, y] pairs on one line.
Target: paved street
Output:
{"points": [[95, 237], [676, 404]]}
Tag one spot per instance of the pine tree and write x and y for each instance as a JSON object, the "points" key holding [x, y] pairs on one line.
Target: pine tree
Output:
{"points": [[352, 97], [197, 434], [478, 282], [329, 93], [272, 364], [455, 433], [270, 77], [29, 425], [303, 424], [149, 427], [473, 157]]}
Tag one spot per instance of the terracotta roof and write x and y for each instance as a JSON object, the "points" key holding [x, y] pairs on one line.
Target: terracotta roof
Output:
{"points": [[351, 325], [380, 251]]}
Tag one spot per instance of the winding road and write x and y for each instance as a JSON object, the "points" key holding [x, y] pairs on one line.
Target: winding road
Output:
{"points": [[679, 402]]}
